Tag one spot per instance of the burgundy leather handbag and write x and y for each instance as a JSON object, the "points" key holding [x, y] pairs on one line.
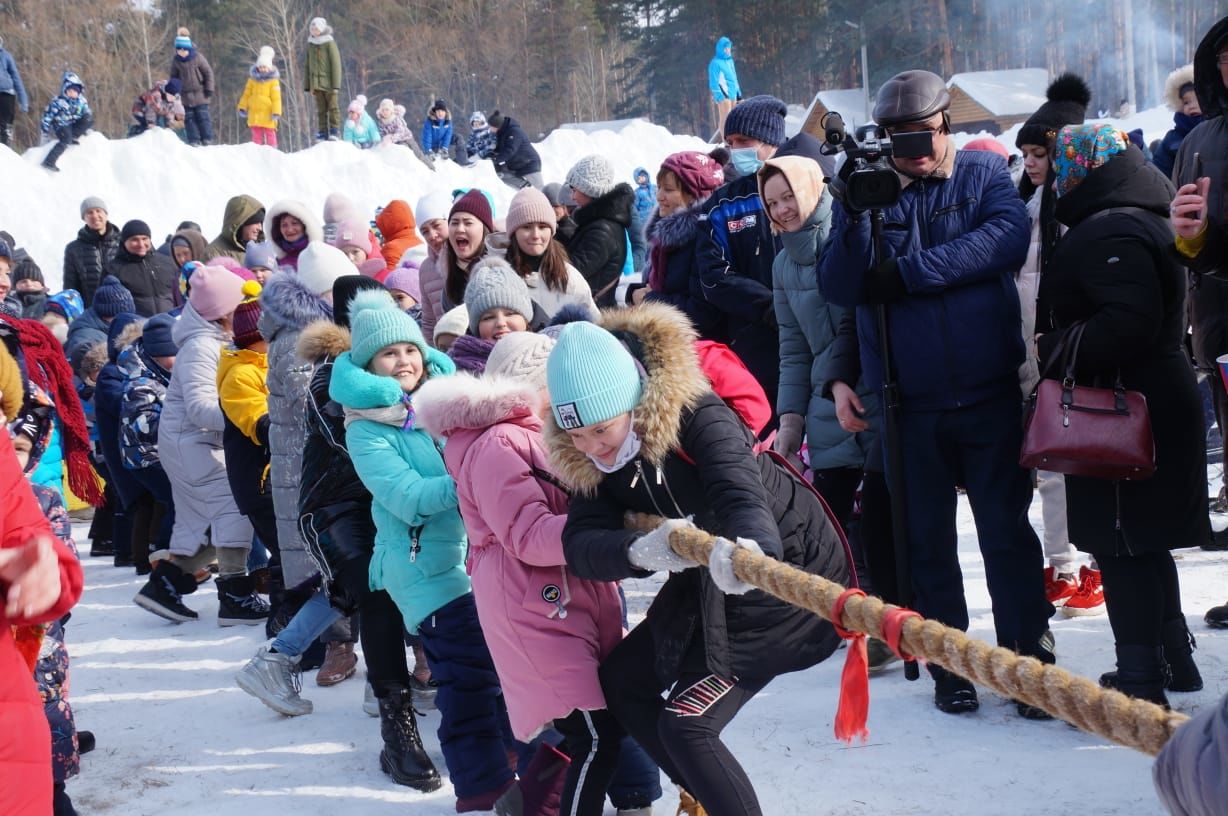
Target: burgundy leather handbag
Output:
{"points": [[1099, 433]]}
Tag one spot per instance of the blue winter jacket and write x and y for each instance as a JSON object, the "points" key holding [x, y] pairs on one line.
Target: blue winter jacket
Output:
{"points": [[420, 542], [1165, 155], [958, 242], [108, 406], [10, 80], [364, 134], [50, 469], [722, 75], [645, 195], [436, 135], [61, 110]]}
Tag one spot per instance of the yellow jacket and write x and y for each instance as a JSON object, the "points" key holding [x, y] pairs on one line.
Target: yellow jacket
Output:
{"points": [[262, 98], [241, 375]]}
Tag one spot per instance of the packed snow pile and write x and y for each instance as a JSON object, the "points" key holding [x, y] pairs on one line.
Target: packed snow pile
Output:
{"points": [[160, 180]]}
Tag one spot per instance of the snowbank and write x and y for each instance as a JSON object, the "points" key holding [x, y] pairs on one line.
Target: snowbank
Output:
{"points": [[159, 179]]}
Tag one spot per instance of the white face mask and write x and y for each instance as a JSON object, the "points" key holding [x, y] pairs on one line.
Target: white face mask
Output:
{"points": [[60, 330], [629, 450]]}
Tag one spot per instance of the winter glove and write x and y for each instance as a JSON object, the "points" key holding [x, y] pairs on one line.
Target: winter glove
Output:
{"points": [[242, 114], [652, 551], [720, 565], [884, 284], [276, 118], [839, 186], [789, 439]]}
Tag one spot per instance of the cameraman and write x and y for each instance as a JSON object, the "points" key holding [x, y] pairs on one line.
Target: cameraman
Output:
{"points": [[953, 242]]}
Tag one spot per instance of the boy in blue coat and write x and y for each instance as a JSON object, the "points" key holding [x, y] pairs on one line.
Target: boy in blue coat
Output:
{"points": [[67, 117], [437, 130]]}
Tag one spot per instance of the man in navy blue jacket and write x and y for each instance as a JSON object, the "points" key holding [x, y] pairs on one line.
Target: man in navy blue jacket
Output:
{"points": [[953, 244]]}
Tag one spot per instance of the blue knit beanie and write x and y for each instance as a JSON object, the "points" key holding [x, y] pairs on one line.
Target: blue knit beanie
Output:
{"points": [[183, 39], [760, 117], [260, 255], [591, 376], [111, 298], [376, 322]]}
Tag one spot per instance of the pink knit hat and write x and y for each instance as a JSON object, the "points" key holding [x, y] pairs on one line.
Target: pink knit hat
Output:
{"points": [[530, 206], [216, 291], [404, 279], [353, 233]]}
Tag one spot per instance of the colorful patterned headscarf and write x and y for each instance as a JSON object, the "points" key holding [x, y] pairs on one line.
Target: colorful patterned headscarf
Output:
{"points": [[1081, 149]]}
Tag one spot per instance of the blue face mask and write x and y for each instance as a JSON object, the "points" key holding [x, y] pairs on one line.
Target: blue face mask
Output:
{"points": [[746, 160]]}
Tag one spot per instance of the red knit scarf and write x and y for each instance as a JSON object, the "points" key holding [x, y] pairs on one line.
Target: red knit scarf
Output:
{"points": [[47, 368]]}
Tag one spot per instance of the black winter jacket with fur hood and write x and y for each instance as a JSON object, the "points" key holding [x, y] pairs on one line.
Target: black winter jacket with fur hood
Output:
{"points": [[730, 492]]}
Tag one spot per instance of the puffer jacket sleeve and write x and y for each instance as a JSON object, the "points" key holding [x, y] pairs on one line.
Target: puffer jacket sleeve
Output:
{"points": [[793, 396], [196, 364], [206, 74], [140, 408], [593, 249], [845, 259], [1189, 772], [245, 403], [249, 92], [998, 242], [595, 542], [395, 484], [514, 507], [430, 282]]}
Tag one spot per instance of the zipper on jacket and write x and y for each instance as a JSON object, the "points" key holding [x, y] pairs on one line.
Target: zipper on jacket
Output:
{"points": [[415, 546], [639, 475], [564, 598], [661, 480]]}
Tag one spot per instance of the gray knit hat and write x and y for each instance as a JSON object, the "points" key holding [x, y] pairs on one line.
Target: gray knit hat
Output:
{"points": [[91, 203], [594, 175], [493, 284], [521, 356], [760, 117]]}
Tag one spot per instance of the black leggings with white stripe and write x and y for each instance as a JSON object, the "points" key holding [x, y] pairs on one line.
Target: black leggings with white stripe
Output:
{"points": [[592, 740]]}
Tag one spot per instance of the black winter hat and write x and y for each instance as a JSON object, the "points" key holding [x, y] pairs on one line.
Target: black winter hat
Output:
{"points": [[495, 120], [111, 298], [344, 289], [1068, 97], [28, 270], [133, 228], [439, 105]]}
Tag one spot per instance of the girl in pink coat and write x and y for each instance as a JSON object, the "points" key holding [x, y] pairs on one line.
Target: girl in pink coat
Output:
{"points": [[547, 629]]}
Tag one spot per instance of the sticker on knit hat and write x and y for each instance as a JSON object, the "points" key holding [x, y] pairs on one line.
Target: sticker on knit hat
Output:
{"points": [[569, 416]]}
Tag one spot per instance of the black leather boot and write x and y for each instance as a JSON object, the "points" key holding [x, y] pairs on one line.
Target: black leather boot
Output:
{"points": [[1140, 673], [403, 757]]}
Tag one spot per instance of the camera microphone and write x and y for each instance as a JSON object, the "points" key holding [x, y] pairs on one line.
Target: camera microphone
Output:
{"points": [[833, 128]]}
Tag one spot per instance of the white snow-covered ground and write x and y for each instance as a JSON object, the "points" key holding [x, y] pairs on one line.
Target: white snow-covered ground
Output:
{"points": [[175, 735]]}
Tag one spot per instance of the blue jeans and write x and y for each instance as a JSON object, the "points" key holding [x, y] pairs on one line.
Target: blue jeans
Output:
{"points": [[197, 123], [311, 620]]}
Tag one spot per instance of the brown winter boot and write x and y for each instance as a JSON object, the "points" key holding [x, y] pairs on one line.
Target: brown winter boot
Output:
{"points": [[687, 806], [339, 663]]}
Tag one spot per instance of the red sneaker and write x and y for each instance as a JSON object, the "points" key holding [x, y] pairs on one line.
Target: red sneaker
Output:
{"points": [[1089, 600], [1060, 587]]}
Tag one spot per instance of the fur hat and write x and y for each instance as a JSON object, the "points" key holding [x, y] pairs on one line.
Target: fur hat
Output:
{"points": [[1178, 83], [92, 203], [592, 175], [344, 290], [216, 291], [111, 298], [493, 284], [592, 377], [698, 173], [404, 279], [759, 117], [376, 322], [475, 203], [265, 59], [455, 321], [260, 255], [530, 206], [433, 206], [1066, 104], [319, 266], [521, 356], [156, 336]]}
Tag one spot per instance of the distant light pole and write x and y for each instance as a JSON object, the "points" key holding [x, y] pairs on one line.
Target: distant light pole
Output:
{"points": [[865, 66]]}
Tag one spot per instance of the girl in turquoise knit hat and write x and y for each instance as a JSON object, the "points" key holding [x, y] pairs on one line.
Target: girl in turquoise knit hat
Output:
{"points": [[420, 542], [636, 427]]}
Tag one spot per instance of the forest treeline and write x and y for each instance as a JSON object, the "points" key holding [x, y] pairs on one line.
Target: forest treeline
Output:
{"points": [[553, 61]]}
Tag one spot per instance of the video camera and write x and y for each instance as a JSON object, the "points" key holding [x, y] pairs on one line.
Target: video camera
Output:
{"points": [[872, 183]]}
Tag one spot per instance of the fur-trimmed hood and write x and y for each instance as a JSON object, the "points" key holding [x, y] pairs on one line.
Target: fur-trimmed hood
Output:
{"points": [[130, 334], [464, 402], [323, 340], [255, 73], [315, 229], [662, 339], [1172, 86], [287, 305], [353, 387], [676, 229]]}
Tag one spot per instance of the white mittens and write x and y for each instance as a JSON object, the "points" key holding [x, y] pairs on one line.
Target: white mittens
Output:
{"points": [[720, 565], [651, 551]]}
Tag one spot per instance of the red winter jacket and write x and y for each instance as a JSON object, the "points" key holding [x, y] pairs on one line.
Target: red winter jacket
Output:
{"points": [[25, 738]]}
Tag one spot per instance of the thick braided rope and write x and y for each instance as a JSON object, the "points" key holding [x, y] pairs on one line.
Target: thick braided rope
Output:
{"points": [[1125, 720]]}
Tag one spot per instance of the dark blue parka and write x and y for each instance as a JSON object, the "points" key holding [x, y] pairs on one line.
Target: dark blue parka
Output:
{"points": [[958, 242]]}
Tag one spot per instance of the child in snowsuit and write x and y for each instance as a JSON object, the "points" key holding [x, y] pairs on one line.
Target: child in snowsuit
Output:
{"points": [[645, 433], [260, 104], [437, 131], [390, 118], [515, 524], [481, 144], [196, 82], [420, 539], [67, 118]]}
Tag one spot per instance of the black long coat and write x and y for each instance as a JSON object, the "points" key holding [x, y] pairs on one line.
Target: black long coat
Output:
{"points": [[1116, 273]]}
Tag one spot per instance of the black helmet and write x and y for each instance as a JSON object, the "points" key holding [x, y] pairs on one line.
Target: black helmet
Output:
{"points": [[910, 96]]}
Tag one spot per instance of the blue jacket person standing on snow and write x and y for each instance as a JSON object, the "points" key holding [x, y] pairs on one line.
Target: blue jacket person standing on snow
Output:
{"points": [[953, 243], [723, 81]]}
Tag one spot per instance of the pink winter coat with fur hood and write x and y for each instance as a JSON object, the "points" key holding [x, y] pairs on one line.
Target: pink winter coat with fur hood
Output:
{"points": [[547, 629]]}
